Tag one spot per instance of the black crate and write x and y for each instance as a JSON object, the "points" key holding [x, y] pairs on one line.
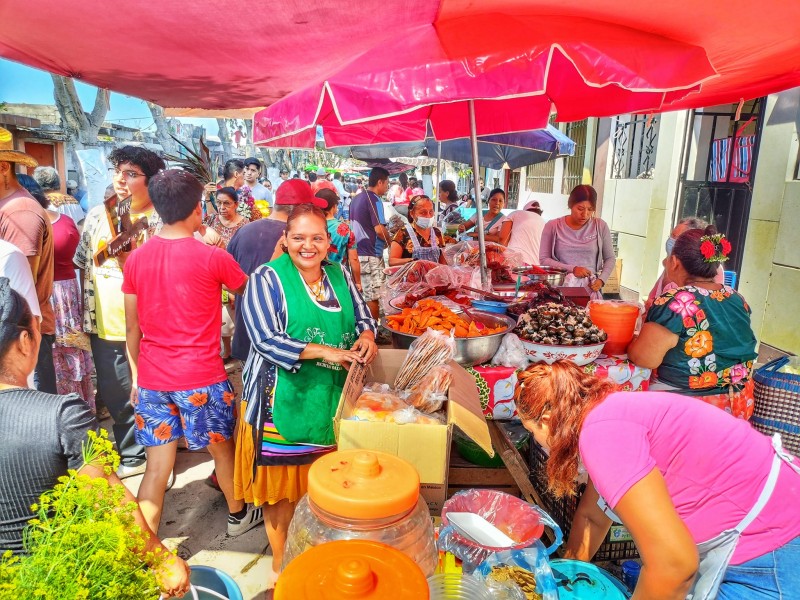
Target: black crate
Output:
{"points": [[618, 544]]}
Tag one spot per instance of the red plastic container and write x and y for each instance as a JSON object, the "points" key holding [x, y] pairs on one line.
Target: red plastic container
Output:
{"points": [[618, 319]]}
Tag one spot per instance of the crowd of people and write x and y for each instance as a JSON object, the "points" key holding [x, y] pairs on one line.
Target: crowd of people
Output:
{"points": [[294, 295]]}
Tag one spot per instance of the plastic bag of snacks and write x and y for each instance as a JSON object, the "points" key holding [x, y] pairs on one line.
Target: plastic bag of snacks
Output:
{"points": [[376, 403], [430, 393], [526, 570], [431, 349], [511, 352]]}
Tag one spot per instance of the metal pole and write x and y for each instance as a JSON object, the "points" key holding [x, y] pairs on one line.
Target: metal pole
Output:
{"points": [[438, 178], [473, 138]]}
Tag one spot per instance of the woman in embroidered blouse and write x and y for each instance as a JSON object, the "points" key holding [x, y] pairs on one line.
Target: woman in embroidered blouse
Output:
{"points": [[699, 335], [307, 323]]}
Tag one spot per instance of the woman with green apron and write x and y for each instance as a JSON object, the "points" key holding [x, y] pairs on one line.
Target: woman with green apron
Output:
{"points": [[307, 323], [711, 503], [493, 219]]}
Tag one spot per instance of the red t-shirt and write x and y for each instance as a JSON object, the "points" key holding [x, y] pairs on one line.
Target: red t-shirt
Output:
{"points": [[178, 289], [65, 241]]}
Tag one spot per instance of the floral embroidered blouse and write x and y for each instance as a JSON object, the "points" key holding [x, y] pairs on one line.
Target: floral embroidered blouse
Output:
{"points": [[716, 346]]}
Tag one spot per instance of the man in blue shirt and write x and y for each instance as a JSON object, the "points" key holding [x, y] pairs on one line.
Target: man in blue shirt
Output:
{"points": [[372, 237]]}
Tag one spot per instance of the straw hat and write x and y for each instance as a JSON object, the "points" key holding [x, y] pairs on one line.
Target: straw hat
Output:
{"points": [[8, 154]]}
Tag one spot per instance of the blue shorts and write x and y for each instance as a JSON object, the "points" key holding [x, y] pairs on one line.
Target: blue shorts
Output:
{"points": [[203, 416]]}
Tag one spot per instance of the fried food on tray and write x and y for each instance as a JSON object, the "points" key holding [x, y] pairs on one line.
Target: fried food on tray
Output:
{"points": [[433, 315]]}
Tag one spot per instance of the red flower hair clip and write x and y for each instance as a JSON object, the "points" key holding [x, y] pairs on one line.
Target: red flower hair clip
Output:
{"points": [[715, 248]]}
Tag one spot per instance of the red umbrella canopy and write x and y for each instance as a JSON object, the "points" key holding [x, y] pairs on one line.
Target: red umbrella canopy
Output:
{"points": [[221, 55]]}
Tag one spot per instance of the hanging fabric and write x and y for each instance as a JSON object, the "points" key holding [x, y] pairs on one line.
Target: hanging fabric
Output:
{"points": [[742, 147]]}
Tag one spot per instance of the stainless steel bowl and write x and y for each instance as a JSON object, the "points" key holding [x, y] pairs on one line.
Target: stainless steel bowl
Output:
{"points": [[554, 275], [469, 351]]}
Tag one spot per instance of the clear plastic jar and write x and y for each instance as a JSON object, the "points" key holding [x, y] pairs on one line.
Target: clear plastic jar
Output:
{"points": [[358, 495], [452, 586], [411, 533]]}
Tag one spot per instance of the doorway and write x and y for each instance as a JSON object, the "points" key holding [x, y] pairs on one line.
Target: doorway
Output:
{"points": [[719, 170]]}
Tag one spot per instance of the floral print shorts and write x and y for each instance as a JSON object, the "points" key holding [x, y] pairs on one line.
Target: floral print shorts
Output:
{"points": [[203, 416]]}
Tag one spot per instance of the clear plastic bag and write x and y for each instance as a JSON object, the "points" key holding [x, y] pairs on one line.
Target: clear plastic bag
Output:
{"points": [[410, 414], [405, 294], [430, 393], [376, 403], [532, 560], [431, 349], [522, 522], [412, 272], [511, 353]]}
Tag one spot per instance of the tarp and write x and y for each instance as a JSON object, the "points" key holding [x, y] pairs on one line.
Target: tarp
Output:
{"points": [[180, 54]]}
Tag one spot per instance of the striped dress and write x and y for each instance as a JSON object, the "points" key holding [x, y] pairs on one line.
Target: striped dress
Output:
{"points": [[264, 310]]}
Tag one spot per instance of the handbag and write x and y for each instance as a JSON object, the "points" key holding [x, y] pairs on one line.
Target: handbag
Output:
{"points": [[777, 403]]}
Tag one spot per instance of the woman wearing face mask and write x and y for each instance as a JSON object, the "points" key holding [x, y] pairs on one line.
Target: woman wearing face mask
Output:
{"points": [[419, 239], [682, 477], [663, 284], [580, 243]]}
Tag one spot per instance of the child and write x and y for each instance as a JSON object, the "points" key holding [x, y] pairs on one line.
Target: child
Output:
{"points": [[172, 288]]}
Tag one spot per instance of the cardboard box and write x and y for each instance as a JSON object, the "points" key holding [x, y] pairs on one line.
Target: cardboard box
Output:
{"points": [[613, 284], [427, 447]]}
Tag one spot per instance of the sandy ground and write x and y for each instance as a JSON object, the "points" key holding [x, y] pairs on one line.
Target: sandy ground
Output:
{"points": [[195, 519]]}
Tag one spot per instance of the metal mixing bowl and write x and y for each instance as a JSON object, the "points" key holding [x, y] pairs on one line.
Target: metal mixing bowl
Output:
{"points": [[469, 351], [554, 275]]}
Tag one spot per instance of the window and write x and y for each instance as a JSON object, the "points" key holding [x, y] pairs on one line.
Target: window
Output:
{"points": [[573, 165], [635, 138], [540, 177]]}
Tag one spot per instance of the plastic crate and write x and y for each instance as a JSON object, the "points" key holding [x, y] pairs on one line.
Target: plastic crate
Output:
{"points": [[618, 544]]}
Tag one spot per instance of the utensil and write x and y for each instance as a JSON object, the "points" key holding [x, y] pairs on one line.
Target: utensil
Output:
{"points": [[485, 294], [479, 530], [478, 324]]}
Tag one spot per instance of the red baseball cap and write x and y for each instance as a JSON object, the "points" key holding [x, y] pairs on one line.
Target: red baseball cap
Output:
{"points": [[297, 191]]}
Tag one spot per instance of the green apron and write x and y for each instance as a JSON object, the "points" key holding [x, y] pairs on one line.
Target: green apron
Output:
{"points": [[305, 401]]}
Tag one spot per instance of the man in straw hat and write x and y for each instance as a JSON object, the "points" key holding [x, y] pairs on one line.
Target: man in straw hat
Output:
{"points": [[24, 223]]}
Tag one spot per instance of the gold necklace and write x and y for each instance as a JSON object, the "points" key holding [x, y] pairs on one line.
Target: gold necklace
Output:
{"points": [[317, 288]]}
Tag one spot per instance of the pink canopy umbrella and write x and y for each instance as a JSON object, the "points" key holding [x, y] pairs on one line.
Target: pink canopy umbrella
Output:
{"points": [[427, 77]]}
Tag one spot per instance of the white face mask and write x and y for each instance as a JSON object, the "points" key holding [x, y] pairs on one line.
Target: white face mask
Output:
{"points": [[424, 222]]}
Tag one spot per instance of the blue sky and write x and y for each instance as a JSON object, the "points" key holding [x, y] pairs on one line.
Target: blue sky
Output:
{"points": [[19, 83]]}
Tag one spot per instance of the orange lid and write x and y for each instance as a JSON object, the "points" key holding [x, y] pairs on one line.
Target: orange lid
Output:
{"points": [[352, 570], [363, 484]]}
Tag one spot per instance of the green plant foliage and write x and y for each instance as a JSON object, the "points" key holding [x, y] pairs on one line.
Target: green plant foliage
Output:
{"points": [[83, 542]]}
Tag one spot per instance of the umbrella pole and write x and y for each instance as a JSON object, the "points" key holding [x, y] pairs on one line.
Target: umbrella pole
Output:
{"points": [[473, 138], [438, 177]]}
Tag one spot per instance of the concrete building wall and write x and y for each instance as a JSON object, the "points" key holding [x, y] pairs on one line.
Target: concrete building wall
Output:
{"points": [[770, 278], [643, 212]]}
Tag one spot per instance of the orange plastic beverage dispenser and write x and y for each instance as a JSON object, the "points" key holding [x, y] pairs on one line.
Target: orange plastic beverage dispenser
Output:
{"points": [[352, 570], [363, 495], [618, 319]]}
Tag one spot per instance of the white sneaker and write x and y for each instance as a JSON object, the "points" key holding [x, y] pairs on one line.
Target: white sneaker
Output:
{"points": [[252, 518], [125, 471]]}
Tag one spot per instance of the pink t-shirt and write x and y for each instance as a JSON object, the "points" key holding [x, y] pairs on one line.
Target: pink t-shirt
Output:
{"points": [[178, 289], [714, 465]]}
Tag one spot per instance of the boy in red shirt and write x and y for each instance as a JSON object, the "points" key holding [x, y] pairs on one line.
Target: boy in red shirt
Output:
{"points": [[173, 311]]}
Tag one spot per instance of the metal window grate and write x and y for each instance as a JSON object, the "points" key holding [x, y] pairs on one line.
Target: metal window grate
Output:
{"points": [[573, 165], [635, 141], [539, 177]]}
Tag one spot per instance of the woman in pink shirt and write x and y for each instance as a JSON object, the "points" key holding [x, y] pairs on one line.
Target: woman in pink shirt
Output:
{"points": [[678, 474]]}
